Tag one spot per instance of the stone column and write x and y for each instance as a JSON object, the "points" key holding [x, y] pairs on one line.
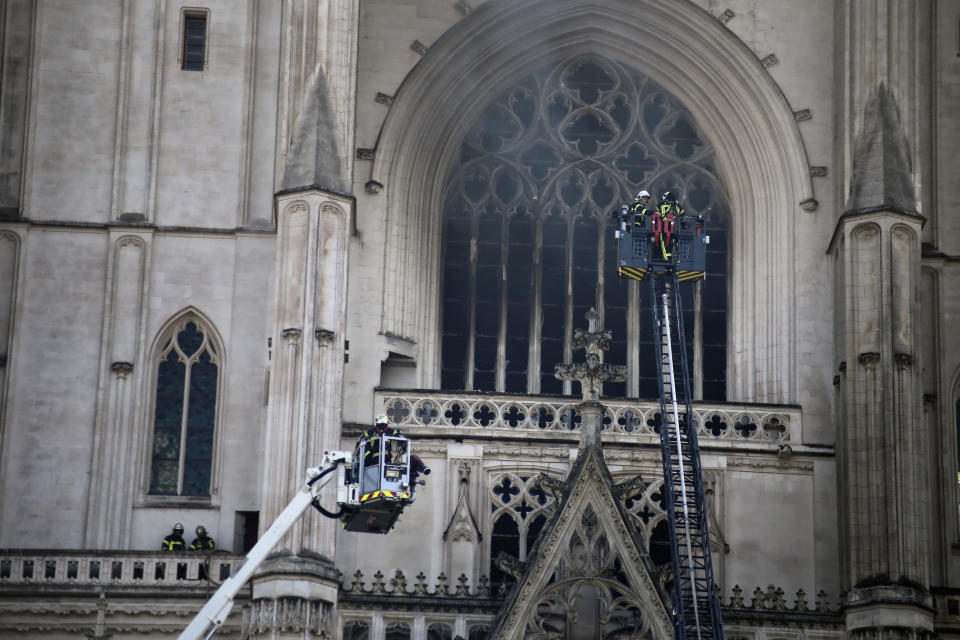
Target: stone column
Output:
{"points": [[304, 405], [882, 440], [882, 437]]}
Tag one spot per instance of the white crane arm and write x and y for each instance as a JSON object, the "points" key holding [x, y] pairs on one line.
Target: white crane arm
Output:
{"points": [[215, 612]]}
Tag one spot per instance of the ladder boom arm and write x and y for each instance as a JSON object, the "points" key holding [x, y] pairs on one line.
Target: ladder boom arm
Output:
{"points": [[215, 611]]}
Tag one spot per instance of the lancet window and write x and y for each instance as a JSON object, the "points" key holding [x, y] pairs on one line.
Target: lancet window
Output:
{"points": [[528, 222], [518, 511], [184, 416]]}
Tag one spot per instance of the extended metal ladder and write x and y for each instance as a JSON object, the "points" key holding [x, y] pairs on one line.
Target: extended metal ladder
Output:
{"points": [[696, 604]]}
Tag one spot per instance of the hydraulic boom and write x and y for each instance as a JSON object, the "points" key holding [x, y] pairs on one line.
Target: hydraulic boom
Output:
{"points": [[215, 612]]}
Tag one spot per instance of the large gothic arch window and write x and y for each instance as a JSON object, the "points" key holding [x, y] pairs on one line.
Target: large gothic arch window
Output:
{"points": [[528, 221]]}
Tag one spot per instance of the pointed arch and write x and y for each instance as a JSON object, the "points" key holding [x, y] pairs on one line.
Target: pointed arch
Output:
{"points": [[760, 156], [185, 389]]}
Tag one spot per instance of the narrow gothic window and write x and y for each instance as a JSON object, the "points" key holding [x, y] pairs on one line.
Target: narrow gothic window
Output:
{"points": [[529, 244], [184, 413], [193, 53], [518, 512]]}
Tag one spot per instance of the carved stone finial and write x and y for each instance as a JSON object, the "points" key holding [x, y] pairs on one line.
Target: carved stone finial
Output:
{"points": [[592, 373], [463, 590], [399, 583]]}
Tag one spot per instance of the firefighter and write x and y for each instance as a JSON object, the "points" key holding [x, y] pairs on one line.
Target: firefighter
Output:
{"points": [[202, 542], [640, 209], [174, 541], [663, 220], [381, 426]]}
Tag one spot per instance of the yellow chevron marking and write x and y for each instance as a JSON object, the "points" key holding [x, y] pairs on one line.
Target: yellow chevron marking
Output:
{"points": [[630, 272]]}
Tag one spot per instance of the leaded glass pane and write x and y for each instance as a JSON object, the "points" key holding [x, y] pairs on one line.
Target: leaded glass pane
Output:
{"points": [[167, 422], [200, 423], [529, 232]]}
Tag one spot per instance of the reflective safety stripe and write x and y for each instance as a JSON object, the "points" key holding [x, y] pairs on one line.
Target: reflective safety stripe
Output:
{"points": [[385, 494], [689, 275], [631, 272]]}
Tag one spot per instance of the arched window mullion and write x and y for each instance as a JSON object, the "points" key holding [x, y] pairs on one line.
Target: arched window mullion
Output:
{"points": [[501, 371], [568, 302], [472, 302], [184, 418], [536, 310]]}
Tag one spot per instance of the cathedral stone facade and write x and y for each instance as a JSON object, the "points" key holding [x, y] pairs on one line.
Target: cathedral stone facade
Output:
{"points": [[233, 232]]}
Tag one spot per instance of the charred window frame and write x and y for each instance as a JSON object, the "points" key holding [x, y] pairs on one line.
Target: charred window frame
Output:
{"points": [[194, 39], [528, 231]]}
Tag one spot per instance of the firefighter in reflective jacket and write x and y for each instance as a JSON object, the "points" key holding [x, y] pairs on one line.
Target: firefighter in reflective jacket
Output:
{"points": [[202, 542], [662, 223], [640, 209], [381, 426], [174, 541]]}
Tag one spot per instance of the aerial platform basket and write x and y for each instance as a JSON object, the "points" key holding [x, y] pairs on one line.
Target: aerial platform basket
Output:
{"points": [[378, 484], [639, 252]]}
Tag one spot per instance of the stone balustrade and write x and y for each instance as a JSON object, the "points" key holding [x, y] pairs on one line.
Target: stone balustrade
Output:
{"points": [[486, 413], [24, 569], [772, 599]]}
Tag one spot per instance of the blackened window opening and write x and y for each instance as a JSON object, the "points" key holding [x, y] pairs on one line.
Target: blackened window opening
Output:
{"points": [[528, 223], [194, 42]]}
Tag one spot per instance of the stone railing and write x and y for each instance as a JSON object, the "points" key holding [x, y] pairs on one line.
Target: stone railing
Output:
{"points": [[396, 588], [484, 413], [23, 569], [775, 599]]}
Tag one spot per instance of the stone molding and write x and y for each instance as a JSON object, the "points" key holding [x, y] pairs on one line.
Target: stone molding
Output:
{"points": [[286, 615]]}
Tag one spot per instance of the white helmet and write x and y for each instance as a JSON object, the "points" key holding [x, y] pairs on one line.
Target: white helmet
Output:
{"points": [[643, 194]]}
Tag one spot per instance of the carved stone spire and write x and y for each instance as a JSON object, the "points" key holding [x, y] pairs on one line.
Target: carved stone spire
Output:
{"points": [[591, 375]]}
